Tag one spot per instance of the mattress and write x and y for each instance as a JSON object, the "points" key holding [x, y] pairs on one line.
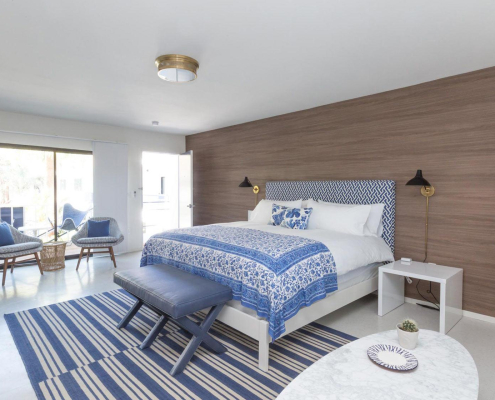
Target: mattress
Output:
{"points": [[345, 281]]}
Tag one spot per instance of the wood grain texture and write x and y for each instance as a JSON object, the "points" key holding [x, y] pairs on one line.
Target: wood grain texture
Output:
{"points": [[445, 127]]}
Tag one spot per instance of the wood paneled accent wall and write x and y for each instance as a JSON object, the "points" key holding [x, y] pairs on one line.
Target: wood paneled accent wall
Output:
{"points": [[445, 127]]}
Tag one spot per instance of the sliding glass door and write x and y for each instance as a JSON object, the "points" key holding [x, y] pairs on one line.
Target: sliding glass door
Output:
{"points": [[27, 190], [74, 189], [47, 193]]}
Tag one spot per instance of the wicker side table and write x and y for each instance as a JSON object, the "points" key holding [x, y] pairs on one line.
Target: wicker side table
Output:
{"points": [[53, 256]]}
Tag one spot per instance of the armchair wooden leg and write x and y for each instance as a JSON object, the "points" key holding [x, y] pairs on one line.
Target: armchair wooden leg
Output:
{"points": [[38, 262], [113, 256], [87, 256], [5, 267], [12, 266], [80, 256]]}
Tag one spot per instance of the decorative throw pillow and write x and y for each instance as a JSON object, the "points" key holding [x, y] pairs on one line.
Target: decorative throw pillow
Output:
{"points": [[99, 228], [262, 214], [296, 218], [278, 213], [6, 238]]}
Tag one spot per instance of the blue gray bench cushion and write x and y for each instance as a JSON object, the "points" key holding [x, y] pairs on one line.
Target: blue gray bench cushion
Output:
{"points": [[175, 292]]}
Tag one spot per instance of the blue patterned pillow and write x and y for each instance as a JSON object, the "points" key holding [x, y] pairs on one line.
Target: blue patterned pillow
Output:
{"points": [[292, 218], [296, 218], [278, 213]]}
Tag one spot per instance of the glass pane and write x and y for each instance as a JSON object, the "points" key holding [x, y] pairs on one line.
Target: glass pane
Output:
{"points": [[26, 191], [185, 190], [160, 193], [74, 195]]}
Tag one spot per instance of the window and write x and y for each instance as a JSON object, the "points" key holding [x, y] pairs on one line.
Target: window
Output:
{"points": [[33, 202]]}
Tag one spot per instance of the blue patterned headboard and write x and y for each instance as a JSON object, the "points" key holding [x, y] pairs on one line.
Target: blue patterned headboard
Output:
{"points": [[343, 192]]}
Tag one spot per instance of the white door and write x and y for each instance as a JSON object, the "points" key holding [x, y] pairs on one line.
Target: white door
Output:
{"points": [[186, 190], [160, 193]]}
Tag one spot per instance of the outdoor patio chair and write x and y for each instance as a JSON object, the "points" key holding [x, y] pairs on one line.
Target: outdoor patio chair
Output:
{"points": [[72, 219]]}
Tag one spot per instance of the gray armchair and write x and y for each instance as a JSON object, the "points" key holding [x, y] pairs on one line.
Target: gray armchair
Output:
{"points": [[81, 239], [23, 245]]}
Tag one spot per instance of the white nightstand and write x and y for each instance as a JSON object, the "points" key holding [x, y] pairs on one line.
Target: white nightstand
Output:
{"points": [[391, 288]]}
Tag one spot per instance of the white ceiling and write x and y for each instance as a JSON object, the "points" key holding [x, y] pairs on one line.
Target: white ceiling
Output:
{"points": [[93, 60]]}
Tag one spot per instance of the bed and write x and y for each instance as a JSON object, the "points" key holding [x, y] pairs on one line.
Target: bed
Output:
{"points": [[283, 279]]}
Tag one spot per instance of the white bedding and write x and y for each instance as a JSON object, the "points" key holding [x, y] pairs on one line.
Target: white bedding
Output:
{"points": [[349, 251]]}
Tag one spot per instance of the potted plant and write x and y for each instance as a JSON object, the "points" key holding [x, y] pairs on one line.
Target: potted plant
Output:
{"points": [[408, 332]]}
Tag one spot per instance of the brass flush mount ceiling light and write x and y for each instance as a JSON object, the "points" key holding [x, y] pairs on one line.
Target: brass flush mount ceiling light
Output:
{"points": [[177, 68]]}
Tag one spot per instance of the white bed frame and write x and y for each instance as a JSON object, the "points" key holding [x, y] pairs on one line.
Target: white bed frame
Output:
{"points": [[346, 192], [258, 328]]}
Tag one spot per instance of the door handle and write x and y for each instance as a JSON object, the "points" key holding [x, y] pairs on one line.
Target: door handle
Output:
{"points": [[190, 205]]}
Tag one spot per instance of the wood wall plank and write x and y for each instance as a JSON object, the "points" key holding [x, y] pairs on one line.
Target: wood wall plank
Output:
{"points": [[445, 127]]}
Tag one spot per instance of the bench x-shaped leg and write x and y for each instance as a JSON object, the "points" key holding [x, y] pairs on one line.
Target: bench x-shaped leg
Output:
{"points": [[200, 334], [153, 333], [130, 314]]}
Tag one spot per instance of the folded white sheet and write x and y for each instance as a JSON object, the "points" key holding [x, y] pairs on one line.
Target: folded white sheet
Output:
{"points": [[349, 251]]}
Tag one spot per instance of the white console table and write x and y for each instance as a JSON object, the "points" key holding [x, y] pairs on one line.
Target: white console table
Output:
{"points": [[391, 288]]}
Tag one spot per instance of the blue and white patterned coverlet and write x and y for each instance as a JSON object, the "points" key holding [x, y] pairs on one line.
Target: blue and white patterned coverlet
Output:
{"points": [[273, 274]]}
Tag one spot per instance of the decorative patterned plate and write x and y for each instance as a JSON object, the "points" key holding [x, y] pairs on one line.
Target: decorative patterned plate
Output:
{"points": [[392, 357]]}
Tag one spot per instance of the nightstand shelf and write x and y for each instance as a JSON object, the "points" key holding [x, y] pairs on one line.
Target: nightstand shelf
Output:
{"points": [[391, 288]]}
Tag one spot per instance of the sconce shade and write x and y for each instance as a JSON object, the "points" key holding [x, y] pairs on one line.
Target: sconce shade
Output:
{"points": [[246, 183], [418, 180]]}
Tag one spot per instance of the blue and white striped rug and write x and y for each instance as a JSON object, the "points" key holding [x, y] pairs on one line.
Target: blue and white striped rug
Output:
{"points": [[72, 350]]}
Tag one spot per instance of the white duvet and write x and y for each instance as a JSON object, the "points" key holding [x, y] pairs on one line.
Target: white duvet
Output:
{"points": [[349, 251]]}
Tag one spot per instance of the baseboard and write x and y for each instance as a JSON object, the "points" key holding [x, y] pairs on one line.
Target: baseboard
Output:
{"points": [[468, 314]]}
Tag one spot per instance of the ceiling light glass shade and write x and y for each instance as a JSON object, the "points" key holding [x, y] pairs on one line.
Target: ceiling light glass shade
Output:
{"points": [[177, 68]]}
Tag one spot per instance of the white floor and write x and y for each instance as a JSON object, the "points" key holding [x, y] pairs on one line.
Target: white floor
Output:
{"points": [[26, 289]]}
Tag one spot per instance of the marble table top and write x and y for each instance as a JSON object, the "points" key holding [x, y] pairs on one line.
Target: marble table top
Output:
{"points": [[445, 371]]}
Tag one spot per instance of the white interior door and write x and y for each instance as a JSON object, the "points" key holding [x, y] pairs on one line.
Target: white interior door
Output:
{"points": [[160, 193], [186, 190]]}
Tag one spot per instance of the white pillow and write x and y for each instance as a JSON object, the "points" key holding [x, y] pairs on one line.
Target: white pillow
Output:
{"points": [[263, 211], [305, 203], [374, 226], [336, 218]]}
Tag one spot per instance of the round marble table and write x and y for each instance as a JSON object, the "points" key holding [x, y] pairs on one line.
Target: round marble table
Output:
{"points": [[445, 371]]}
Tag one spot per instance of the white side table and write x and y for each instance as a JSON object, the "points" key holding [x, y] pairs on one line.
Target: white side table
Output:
{"points": [[391, 288]]}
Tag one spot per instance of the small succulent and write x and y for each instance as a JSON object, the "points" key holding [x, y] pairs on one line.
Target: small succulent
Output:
{"points": [[409, 325]]}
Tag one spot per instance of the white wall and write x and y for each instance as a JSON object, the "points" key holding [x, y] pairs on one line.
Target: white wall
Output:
{"points": [[64, 134], [110, 162]]}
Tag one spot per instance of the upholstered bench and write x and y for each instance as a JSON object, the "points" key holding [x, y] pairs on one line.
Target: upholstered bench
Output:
{"points": [[175, 294]]}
